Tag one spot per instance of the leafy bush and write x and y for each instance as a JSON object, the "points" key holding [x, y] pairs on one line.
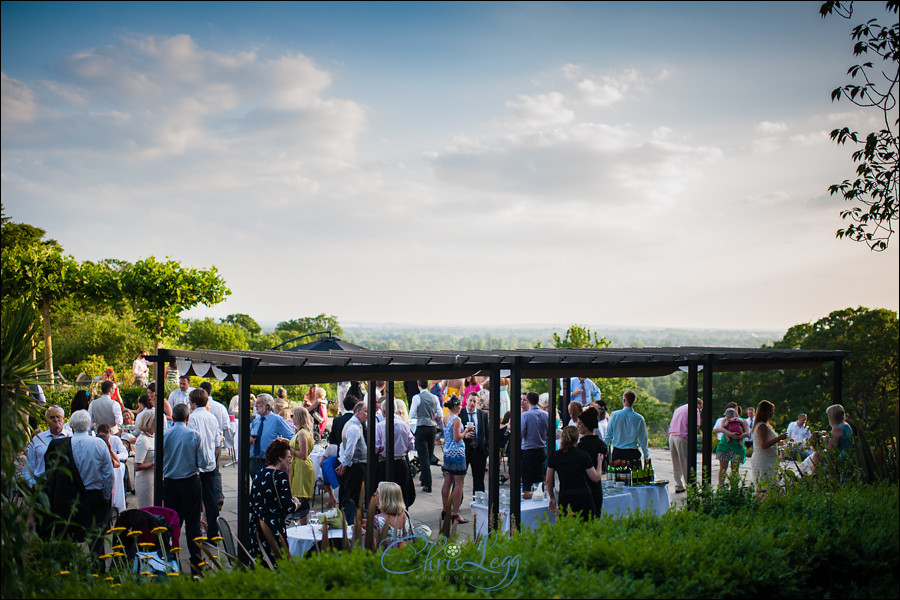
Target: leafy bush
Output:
{"points": [[794, 544]]}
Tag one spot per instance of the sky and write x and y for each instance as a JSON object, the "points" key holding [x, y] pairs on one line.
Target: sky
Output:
{"points": [[630, 164]]}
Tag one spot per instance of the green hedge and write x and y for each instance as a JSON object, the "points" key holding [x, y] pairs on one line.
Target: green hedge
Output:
{"points": [[796, 545]]}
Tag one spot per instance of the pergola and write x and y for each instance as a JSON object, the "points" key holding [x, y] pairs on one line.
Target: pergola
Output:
{"points": [[310, 366]]}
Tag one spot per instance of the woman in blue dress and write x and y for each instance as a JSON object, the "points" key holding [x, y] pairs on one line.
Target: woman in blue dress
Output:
{"points": [[454, 466]]}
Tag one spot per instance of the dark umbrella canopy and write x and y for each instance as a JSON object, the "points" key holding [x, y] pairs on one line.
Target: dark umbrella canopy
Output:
{"points": [[328, 343]]}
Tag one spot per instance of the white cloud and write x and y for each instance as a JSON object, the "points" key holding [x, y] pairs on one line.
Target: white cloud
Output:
{"points": [[544, 150], [769, 127], [18, 105]]}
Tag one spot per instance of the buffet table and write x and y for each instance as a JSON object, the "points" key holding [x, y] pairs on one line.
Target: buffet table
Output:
{"points": [[617, 502]]}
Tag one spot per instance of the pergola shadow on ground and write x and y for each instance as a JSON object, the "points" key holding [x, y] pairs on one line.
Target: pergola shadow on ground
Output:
{"points": [[297, 367]]}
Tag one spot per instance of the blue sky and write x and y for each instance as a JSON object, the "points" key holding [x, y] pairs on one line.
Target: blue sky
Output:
{"points": [[659, 164]]}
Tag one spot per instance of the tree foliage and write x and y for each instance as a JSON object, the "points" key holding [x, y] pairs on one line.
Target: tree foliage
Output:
{"points": [[305, 325], [206, 333], [873, 194], [870, 373], [243, 321], [158, 291]]}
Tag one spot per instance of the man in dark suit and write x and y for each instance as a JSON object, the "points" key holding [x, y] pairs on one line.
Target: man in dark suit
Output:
{"points": [[475, 420]]}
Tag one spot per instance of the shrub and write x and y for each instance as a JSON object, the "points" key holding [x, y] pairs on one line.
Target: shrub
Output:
{"points": [[793, 544]]}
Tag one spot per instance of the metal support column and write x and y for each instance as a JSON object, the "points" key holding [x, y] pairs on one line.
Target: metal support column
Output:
{"points": [[706, 418], [371, 457], [692, 424], [389, 432], [244, 422], [515, 475], [162, 359], [838, 393], [494, 451]]}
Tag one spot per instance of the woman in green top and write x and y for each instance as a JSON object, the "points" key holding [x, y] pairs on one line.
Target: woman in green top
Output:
{"points": [[841, 434]]}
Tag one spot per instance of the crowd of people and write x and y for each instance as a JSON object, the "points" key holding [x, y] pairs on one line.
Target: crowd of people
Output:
{"points": [[736, 435], [99, 437]]}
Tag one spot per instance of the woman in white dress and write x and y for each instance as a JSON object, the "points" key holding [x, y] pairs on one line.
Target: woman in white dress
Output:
{"points": [[143, 457], [764, 461]]}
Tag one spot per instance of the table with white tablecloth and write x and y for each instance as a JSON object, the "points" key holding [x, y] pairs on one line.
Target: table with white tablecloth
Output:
{"points": [[118, 495], [302, 538], [620, 501], [317, 456], [617, 502]]}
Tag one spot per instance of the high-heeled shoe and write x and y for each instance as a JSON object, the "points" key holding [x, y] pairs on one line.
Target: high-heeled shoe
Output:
{"points": [[459, 520]]}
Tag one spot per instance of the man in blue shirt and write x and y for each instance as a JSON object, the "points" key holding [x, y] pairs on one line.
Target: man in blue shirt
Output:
{"points": [[583, 390], [534, 442], [264, 429], [184, 459], [627, 432]]}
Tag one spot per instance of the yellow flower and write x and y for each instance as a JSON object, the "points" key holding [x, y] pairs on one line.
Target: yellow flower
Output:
{"points": [[199, 539], [116, 530], [159, 530], [118, 547], [203, 564], [105, 556], [115, 585], [147, 545], [135, 533], [218, 538], [147, 573], [108, 579], [63, 572], [95, 575], [176, 549], [173, 574]]}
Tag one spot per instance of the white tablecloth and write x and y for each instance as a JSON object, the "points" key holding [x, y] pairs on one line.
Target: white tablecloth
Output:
{"points": [[118, 499], [302, 538], [532, 512], [317, 455], [617, 503]]}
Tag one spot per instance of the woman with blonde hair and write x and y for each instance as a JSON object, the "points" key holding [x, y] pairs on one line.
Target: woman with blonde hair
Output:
{"points": [[764, 461], [391, 510], [302, 474], [317, 411]]}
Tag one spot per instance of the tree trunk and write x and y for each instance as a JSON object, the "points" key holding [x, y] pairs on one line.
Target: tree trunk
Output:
{"points": [[48, 346]]}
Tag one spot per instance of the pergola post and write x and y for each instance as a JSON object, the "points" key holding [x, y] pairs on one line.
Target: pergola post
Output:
{"points": [[567, 397], [692, 423], [515, 500], [551, 420], [162, 358], [244, 421], [838, 393], [371, 457], [706, 418], [389, 433], [494, 450]]}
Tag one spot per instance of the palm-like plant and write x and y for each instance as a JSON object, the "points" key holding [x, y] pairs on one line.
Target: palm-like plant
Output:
{"points": [[18, 372]]}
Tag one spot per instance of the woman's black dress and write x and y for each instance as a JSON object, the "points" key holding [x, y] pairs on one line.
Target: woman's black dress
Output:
{"points": [[574, 493]]}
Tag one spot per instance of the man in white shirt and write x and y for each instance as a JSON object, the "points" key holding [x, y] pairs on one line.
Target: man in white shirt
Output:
{"points": [[219, 411], [203, 422], [34, 467], [798, 431], [181, 395], [106, 410], [353, 456], [140, 368]]}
